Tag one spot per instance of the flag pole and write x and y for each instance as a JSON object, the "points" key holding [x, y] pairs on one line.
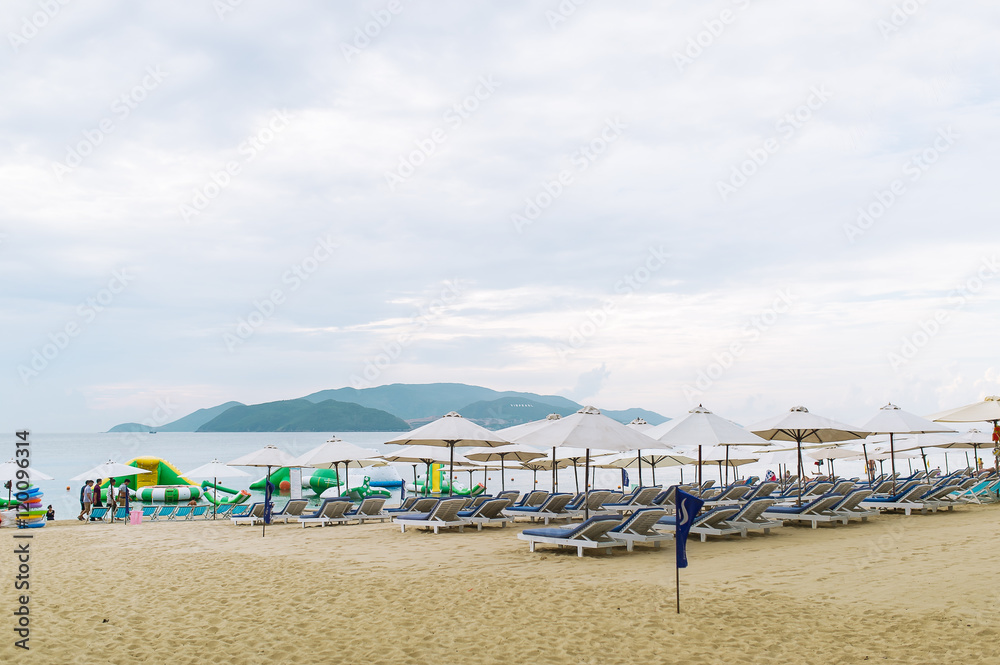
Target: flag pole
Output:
{"points": [[677, 573]]}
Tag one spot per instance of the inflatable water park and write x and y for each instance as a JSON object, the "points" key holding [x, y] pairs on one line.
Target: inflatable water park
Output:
{"points": [[439, 484]]}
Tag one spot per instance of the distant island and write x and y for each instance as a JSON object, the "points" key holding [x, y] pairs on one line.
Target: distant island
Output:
{"points": [[393, 408]]}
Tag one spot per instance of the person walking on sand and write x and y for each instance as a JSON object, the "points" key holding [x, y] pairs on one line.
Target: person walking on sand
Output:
{"points": [[87, 498], [112, 504], [97, 502]]}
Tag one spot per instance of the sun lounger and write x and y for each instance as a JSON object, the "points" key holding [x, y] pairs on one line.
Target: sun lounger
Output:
{"points": [[97, 514], [423, 504], [370, 509], [253, 516], [292, 508], [490, 512], [587, 535], [553, 508], [761, 491], [710, 523], [222, 511], [641, 498], [510, 495], [730, 496], [443, 516], [582, 504], [638, 528], [149, 513], [165, 513], [850, 506], [121, 513], [816, 511], [533, 498], [843, 487], [906, 500], [329, 512], [751, 517]]}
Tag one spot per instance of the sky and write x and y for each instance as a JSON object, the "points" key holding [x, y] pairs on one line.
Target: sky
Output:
{"points": [[751, 205]]}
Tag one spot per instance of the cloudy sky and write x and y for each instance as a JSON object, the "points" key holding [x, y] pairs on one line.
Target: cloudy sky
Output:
{"points": [[747, 204]]}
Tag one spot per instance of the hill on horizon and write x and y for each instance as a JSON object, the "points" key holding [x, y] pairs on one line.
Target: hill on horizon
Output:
{"points": [[405, 402], [299, 415]]}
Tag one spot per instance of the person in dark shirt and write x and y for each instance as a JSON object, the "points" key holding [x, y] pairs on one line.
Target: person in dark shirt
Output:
{"points": [[50, 514]]}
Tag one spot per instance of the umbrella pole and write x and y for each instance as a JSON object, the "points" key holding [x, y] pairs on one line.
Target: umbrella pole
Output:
{"points": [[892, 454], [727, 468], [586, 494], [267, 498], [503, 486], [720, 476], [946, 464], [576, 477], [451, 467], [215, 504], [534, 478], [798, 446], [554, 468], [638, 460], [699, 470], [653, 471], [868, 465]]}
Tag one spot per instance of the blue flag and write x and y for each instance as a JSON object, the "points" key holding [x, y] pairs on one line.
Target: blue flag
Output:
{"points": [[688, 506], [268, 492], [624, 478]]}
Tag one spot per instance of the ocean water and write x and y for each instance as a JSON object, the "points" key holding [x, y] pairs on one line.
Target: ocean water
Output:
{"points": [[66, 455]]}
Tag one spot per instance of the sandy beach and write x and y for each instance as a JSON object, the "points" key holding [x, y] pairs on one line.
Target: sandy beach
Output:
{"points": [[896, 590]]}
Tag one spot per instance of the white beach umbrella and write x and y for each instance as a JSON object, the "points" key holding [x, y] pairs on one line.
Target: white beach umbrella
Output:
{"points": [[700, 428], [269, 457], [543, 464], [589, 429], [987, 411], [9, 472], [335, 452], [109, 469], [511, 433], [801, 426], [722, 457], [215, 470], [892, 420], [514, 451], [639, 425], [426, 455], [451, 431], [652, 460]]}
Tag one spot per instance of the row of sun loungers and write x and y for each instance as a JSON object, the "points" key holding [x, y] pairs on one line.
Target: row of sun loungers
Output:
{"points": [[163, 513]]}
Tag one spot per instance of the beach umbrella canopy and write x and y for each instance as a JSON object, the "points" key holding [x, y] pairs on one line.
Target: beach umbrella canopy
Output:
{"points": [[589, 429], [986, 411], [700, 428], [652, 460], [451, 431], [514, 451], [511, 433], [722, 457], [215, 470], [10, 469], [425, 455], [109, 469], [892, 420], [269, 457], [801, 426], [639, 425], [333, 453]]}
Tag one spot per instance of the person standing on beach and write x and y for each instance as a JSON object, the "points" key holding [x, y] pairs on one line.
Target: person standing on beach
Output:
{"points": [[97, 502], [111, 498], [87, 498], [123, 494]]}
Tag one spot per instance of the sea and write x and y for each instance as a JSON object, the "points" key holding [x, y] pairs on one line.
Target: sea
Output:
{"points": [[64, 456]]}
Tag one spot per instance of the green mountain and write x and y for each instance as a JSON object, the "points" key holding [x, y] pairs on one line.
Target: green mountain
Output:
{"points": [[431, 400], [299, 415], [191, 422], [404, 402]]}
